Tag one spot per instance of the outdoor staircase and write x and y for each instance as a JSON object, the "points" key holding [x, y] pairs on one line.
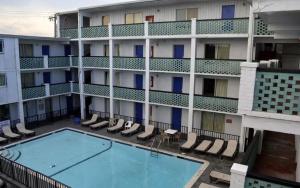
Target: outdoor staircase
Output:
{"points": [[11, 155], [278, 156]]}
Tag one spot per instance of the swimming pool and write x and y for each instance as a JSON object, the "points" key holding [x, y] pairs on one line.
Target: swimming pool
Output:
{"points": [[82, 160]]}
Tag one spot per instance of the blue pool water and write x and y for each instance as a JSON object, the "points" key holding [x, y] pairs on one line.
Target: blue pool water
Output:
{"points": [[73, 158]]}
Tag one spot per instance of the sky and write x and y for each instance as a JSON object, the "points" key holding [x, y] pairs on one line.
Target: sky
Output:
{"points": [[31, 17]]}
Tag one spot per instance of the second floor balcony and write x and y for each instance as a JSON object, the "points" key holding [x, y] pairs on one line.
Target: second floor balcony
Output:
{"points": [[31, 63]]}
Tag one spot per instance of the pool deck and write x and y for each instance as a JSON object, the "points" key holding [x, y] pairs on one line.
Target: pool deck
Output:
{"points": [[215, 163]]}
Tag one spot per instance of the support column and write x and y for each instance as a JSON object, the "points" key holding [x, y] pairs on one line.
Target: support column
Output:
{"points": [[57, 26], [238, 175], [147, 75], [111, 72], [250, 35], [80, 69], [242, 138], [192, 76]]}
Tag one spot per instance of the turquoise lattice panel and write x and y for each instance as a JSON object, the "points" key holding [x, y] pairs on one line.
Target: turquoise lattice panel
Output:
{"points": [[172, 65], [94, 32], [232, 26], [74, 61], [2, 80], [127, 30], [33, 92], [101, 62], [32, 62], [58, 62], [69, 33], [170, 28], [100, 90], [57, 89], [261, 28], [229, 67], [75, 87], [216, 104], [172, 99], [129, 63], [256, 183], [277, 92], [130, 94]]}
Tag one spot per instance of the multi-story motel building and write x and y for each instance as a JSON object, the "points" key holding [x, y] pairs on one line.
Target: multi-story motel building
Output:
{"points": [[191, 66]]}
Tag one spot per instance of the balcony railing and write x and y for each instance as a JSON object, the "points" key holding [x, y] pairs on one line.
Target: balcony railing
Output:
{"points": [[69, 33], [224, 67], [94, 31], [261, 28], [33, 92], [74, 61], [58, 62], [218, 104], [129, 94], [95, 61], [170, 65], [32, 62], [128, 30], [61, 88], [169, 98], [277, 91], [130, 63], [75, 86], [170, 28], [95, 89]]}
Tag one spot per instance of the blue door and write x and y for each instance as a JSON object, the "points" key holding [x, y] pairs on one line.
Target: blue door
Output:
{"points": [[228, 11], [68, 76], [139, 51], [139, 106], [67, 50], [45, 50], [46, 77], [177, 112], [69, 104], [178, 51]]}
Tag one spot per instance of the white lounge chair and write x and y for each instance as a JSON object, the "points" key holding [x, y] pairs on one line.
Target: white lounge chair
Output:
{"points": [[204, 185], [91, 121], [3, 140], [7, 132], [231, 149], [134, 129], [203, 146], [219, 177], [190, 143], [217, 147], [149, 132], [117, 127], [99, 125], [22, 130]]}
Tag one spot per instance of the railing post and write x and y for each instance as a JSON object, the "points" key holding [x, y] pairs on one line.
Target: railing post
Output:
{"points": [[47, 89], [238, 175], [71, 60], [147, 74], [45, 60], [71, 86]]}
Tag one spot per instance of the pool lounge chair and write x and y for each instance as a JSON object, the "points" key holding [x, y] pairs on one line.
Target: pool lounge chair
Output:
{"points": [[149, 132], [134, 129], [217, 147], [99, 125], [7, 132], [203, 146], [117, 127], [190, 143], [219, 177], [231, 149], [22, 130], [91, 121], [204, 185], [3, 140]]}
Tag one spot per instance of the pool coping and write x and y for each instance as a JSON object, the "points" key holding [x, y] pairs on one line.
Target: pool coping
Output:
{"points": [[189, 184]]}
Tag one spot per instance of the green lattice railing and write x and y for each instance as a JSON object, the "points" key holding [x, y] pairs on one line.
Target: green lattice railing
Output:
{"points": [[257, 183], [168, 98], [69, 33], [170, 28], [76, 87], [222, 26], [58, 89], [227, 67], [33, 92], [170, 64], [74, 61], [95, 61], [131, 63], [129, 94], [277, 92], [128, 30], [58, 62], [2, 80], [32, 62], [99, 90], [94, 32], [216, 104], [261, 28]]}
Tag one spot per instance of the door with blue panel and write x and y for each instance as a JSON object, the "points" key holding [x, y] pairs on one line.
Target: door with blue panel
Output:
{"points": [[178, 51], [177, 112], [228, 12], [139, 51], [67, 49], [139, 106], [47, 77], [45, 50]]}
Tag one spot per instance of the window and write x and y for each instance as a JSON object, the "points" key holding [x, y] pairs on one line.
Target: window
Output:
{"points": [[2, 80], [150, 18], [1, 46], [215, 87], [26, 50], [4, 112], [217, 51], [105, 20], [116, 50], [213, 122], [186, 14], [27, 80], [133, 18]]}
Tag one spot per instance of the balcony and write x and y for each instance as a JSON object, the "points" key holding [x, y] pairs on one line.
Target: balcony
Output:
{"points": [[69, 33], [129, 63], [94, 32], [31, 63], [59, 89], [217, 104], [95, 62], [170, 28], [74, 62], [169, 98], [75, 87], [277, 91], [96, 89], [169, 65], [56, 62], [129, 94], [33, 92], [220, 67], [126, 30]]}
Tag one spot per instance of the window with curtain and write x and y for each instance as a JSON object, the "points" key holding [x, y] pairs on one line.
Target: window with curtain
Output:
{"points": [[105, 20], [180, 14], [1, 45], [26, 50], [186, 14], [192, 13], [221, 88], [2, 80], [213, 122], [133, 18], [116, 50], [27, 79], [223, 51]]}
